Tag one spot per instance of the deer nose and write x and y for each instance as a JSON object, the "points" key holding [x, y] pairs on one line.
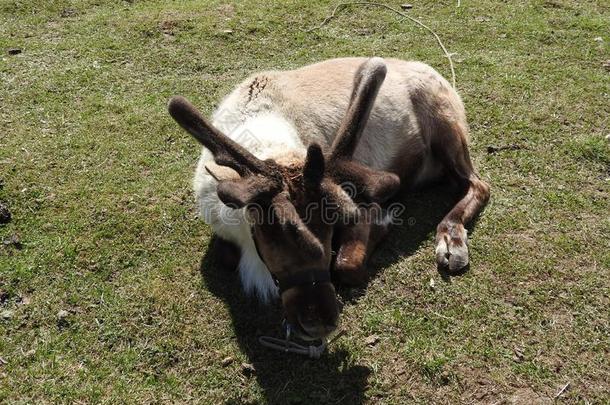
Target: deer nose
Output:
{"points": [[315, 327]]}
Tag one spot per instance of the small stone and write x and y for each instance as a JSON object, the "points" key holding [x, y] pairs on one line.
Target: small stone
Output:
{"points": [[371, 340], [598, 39], [13, 241], [606, 65], [23, 300], [167, 27], [432, 283], [444, 378], [5, 214], [248, 369], [62, 318], [14, 51], [482, 18], [6, 315], [226, 361], [406, 6], [227, 31], [68, 12], [519, 355]]}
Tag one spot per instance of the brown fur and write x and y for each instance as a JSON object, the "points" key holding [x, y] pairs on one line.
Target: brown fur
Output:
{"points": [[278, 197], [406, 132]]}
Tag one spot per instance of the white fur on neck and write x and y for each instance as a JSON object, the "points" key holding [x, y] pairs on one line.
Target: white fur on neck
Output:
{"points": [[254, 275], [266, 135]]}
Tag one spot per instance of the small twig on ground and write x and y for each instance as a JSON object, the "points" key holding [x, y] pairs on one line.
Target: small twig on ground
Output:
{"points": [[494, 149], [408, 17], [561, 391], [442, 316]]}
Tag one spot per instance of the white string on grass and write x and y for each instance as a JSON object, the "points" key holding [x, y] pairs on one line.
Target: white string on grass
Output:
{"points": [[286, 345], [408, 17]]}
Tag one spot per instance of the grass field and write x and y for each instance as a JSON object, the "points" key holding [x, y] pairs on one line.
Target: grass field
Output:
{"points": [[112, 295]]}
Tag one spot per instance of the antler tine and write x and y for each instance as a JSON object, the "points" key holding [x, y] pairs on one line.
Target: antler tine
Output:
{"points": [[368, 80], [226, 151]]}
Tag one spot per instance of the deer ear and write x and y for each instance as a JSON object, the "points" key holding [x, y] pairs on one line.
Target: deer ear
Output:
{"points": [[313, 170], [373, 185], [380, 186], [251, 190], [341, 198]]}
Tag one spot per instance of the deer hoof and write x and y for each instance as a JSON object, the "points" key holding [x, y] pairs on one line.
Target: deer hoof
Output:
{"points": [[452, 249]]}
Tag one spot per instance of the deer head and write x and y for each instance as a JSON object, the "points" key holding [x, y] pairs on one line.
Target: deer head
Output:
{"points": [[285, 202]]}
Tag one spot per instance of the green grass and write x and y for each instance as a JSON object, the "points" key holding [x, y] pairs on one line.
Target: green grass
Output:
{"points": [[97, 177]]}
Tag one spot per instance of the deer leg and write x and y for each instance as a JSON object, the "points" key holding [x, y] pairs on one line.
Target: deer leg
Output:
{"points": [[351, 254], [355, 244], [451, 235]]}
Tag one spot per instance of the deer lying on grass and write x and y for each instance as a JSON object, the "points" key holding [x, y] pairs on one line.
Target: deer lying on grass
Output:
{"points": [[376, 125]]}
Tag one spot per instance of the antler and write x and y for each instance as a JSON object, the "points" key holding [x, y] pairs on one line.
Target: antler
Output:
{"points": [[226, 151], [374, 185], [368, 80]]}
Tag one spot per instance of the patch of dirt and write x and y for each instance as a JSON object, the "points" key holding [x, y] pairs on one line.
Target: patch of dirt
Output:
{"points": [[226, 10], [168, 27], [477, 386], [68, 12], [553, 4], [526, 396]]}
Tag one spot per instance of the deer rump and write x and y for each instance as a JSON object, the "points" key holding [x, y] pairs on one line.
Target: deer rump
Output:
{"points": [[344, 135]]}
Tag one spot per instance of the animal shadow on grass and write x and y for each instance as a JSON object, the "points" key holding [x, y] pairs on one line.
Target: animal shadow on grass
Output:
{"points": [[284, 378], [424, 210], [290, 378]]}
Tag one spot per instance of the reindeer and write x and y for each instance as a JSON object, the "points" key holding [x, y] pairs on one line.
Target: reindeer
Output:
{"points": [[286, 141]]}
